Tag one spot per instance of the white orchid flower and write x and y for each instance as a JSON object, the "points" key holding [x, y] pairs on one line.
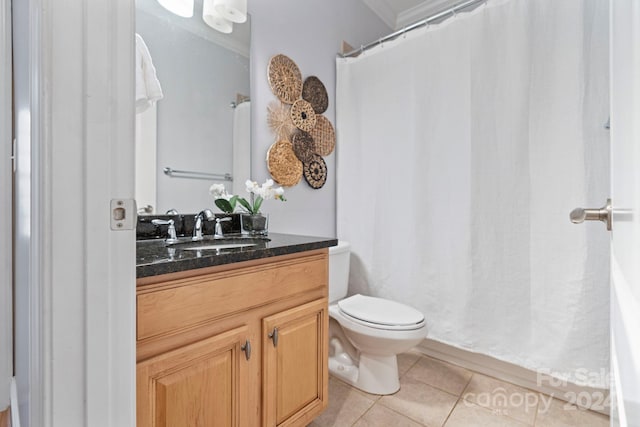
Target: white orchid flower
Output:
{"points": [[251, 186], [218, 191], [265, 191]]}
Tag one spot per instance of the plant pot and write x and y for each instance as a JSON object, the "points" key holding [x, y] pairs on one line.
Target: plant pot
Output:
{"points": [[255, 225]]}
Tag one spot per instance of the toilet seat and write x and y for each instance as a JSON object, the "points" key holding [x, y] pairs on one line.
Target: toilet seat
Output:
{"points": [[381, 313]]}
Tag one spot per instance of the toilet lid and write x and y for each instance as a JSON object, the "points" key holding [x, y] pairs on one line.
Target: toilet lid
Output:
{"points": [[380, 311]]}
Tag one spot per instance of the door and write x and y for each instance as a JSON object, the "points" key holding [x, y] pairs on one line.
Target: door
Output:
{"points": [[294, 370], [6, 206], [200, 385], [625, 195]]}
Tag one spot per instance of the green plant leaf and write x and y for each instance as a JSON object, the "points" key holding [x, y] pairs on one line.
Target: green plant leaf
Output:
{"points": [[233, 201], [245, 205], [257, 203], [224, 205]]}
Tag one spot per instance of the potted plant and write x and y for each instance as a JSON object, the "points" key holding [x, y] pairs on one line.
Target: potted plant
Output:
{"points": [[252, 220], [227, 203]]}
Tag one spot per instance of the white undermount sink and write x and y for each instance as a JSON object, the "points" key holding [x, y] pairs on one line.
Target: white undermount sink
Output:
{"points": [[214, 246]]}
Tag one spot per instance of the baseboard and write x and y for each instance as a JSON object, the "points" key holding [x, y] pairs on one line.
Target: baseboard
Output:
{"points": [[4, 418], [596, 399]]}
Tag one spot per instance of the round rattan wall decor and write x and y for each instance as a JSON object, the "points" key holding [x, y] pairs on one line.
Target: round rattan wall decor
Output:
{"points": [[324, 136], [303, 115], [279, 120], [315, 172], [283, 165], [285, 78], [303, 146], [314, 92]]}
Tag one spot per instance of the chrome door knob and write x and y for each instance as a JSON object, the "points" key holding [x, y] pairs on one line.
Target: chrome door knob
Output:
{"points": [[579, 215]]}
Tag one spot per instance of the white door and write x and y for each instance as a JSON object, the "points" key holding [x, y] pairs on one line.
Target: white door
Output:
{"points": [[6, 298], [625, 195], [74, 259]]}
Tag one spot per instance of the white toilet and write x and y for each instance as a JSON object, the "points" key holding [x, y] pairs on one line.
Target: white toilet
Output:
{"points": [[366, 333]]}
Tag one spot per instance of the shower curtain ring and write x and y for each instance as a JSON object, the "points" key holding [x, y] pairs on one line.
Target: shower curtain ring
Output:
{"points": [[404, 32], [361, 49]]}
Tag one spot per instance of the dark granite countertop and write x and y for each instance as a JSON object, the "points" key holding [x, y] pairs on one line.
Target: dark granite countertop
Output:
{"points": [[155, 257]]}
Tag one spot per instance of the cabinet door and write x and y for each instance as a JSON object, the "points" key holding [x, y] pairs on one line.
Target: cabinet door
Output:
{"points": [[294, 371], [198, 385]]}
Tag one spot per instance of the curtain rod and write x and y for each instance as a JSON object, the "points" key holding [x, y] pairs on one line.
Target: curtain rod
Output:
{"points": [[450, 11]]}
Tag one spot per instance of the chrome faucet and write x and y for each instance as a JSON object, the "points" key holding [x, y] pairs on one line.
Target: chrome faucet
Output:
{"points": [[218, 230], [204, 215], [171, 230]]}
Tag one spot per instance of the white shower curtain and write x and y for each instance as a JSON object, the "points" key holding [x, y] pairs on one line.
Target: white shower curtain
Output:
{"points": [[462, 148]]}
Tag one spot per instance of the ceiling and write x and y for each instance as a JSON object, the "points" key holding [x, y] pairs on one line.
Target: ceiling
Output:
{"points": [[400, 13]]}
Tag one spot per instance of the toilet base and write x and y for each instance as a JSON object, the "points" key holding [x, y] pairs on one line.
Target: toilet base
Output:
{"points": [[372, 374]]}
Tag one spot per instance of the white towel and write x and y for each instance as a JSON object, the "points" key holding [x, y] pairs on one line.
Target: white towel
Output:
{"points": [[148, 89]]}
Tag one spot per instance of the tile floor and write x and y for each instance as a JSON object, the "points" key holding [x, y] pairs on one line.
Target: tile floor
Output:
{"points": [[437, 394]]}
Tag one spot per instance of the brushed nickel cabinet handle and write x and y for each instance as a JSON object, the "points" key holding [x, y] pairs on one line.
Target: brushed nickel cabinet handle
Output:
{"points": [[274, 336], [247, 349]]}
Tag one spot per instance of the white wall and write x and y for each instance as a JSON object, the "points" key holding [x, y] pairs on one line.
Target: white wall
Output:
{"points": [[310, 33]]}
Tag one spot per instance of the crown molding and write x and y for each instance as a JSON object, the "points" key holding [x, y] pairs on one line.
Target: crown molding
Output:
{"points": [[422, 11], [384, 11]]}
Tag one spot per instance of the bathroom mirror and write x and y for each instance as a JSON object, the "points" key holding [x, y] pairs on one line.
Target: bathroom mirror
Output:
{"points": [[201, 125]]}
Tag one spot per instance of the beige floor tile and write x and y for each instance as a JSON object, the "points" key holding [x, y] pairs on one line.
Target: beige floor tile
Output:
{"points": [[346, 405], [558, 413], [420, 402], [450, 378], [467, 414], [380, 416], [501, 397], [356, 390], [406, 361]]}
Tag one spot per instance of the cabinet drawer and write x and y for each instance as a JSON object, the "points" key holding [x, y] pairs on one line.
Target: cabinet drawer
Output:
{"points": [[185, 303]]}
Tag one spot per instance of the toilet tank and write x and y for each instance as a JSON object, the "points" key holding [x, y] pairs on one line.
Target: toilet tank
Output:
{"points": [[339, 270]]}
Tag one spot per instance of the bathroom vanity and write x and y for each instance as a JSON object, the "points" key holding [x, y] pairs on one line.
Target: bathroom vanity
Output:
{"points": [[232, 337]]}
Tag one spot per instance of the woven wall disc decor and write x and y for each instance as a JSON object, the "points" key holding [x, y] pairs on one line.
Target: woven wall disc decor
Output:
{"points": [[283, 165], [279, 120], [314, 92], [324, 136], [285, 78], [315, 172], [303, 115], [303, 146]]}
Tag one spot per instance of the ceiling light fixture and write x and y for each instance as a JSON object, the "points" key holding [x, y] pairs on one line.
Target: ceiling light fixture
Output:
{"points": [[215, 20], [232, 10], [182, 8]]}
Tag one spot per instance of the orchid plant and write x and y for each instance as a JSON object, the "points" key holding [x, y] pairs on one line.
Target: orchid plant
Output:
{"points": [[228, 203], [224, 201]]}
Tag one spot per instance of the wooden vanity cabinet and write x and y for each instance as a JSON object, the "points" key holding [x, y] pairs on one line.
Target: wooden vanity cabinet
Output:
{"points": [[238, 345], [199, 384], [294, 365]]}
